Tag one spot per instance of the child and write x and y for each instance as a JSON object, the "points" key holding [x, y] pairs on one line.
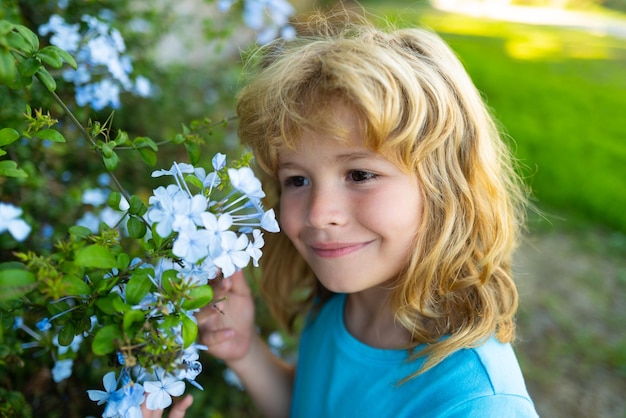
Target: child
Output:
{"points": [[399, 210]]}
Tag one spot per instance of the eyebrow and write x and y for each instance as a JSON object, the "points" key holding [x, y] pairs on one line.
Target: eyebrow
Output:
{"points": [[341, 158]]}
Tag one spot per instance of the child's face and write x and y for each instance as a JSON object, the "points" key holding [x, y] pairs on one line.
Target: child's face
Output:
{"points": [[351, 213]]}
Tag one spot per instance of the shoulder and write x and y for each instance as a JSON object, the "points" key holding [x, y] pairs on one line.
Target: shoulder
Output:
{"points": [[485, 381]]}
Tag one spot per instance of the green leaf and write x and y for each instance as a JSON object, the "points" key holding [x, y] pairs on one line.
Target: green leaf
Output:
{"points": [[107, 303], [8, 136], [136, 227], [190, 331], [73, 286], [9, 168], [120, 306], [7, 67], [195, 181], [28, 67], [46, 79], [29, 36], [111, 162], [15, 283], [51, 135], [132, 317], [18, 42], [137, 287], [137, 207], [105, 339], [107, 151], [143, 142], [193, 150], [198, 297], [50, 56], [123, 261], [148, 156], [114, 200], [95, 256], [79, 232], [66, 56], [66, 334], [168, 279], [5, 27]]}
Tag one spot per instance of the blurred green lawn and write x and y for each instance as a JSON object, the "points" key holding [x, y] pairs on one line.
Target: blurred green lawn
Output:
{"points": [[560, 96]]}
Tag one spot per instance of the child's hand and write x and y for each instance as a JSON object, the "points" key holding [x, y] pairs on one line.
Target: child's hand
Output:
{"points": [[177, 411], [227, 326]]}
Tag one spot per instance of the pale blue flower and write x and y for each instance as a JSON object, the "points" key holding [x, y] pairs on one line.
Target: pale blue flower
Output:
{"points": [[191, 245], [208, 180], [188, 212], [65, 36], [269, 222], [254, 248], [160, 392], [234, 255], [132, 396], [80, 75], [10, 221], [95, 197], [216, 226], [218, 161], [110, 388], [175, 170], [225, 5], [244, 180], [89, 220], [62, 370], [143, 87], [162, 209], [44, 325]]}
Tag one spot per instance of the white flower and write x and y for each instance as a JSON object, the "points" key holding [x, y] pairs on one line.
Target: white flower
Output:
{"points": [[160, 392], [9, 221]]}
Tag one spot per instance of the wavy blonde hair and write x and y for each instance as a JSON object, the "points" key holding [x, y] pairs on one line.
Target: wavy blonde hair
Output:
{"points": [[419, 108]]}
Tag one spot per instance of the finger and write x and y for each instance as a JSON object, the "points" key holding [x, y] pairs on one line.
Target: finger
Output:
{"points": [[150, 413], [179, 408], [239, 285], [217, 337]]}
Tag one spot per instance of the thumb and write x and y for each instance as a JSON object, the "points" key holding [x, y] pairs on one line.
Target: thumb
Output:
{"points": [[180, 407]]}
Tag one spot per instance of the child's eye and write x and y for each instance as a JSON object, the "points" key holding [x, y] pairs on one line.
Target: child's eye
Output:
{"points": [[295, 181], [359, 176]]}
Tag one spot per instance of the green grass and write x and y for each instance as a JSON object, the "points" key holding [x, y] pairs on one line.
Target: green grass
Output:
{"points": [[560, 96]]}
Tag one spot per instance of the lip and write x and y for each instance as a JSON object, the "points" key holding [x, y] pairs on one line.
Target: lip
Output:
{"points": [[336, 249]]}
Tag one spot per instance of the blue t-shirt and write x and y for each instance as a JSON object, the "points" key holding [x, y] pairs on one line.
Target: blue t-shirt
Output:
{"points": [[339, 376]]}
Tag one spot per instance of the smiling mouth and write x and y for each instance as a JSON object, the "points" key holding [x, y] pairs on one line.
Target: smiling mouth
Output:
{"points": [[337, 250]]}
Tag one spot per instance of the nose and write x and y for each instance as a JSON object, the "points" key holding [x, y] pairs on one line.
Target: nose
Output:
{"points": [[327, 207]]}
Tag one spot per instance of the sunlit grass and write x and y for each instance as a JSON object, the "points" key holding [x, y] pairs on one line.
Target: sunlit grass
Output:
{"points": [[560, 95]]}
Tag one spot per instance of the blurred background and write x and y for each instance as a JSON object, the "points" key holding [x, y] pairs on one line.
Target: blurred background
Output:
{"points": [[552, 71]]}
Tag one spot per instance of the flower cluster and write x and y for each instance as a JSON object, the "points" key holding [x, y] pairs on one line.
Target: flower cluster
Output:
{"points": [[268, 18], [204, 227], [218, 228], [103, 71]]}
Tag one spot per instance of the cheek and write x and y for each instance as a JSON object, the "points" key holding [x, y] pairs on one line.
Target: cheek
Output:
{"points": [[289, 215]]}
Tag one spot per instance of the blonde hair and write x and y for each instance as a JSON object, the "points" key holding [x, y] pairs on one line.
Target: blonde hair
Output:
{"points": [[419, 108]]}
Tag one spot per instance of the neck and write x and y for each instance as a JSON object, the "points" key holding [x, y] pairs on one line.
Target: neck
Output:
{"points": [[369, 318]]}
